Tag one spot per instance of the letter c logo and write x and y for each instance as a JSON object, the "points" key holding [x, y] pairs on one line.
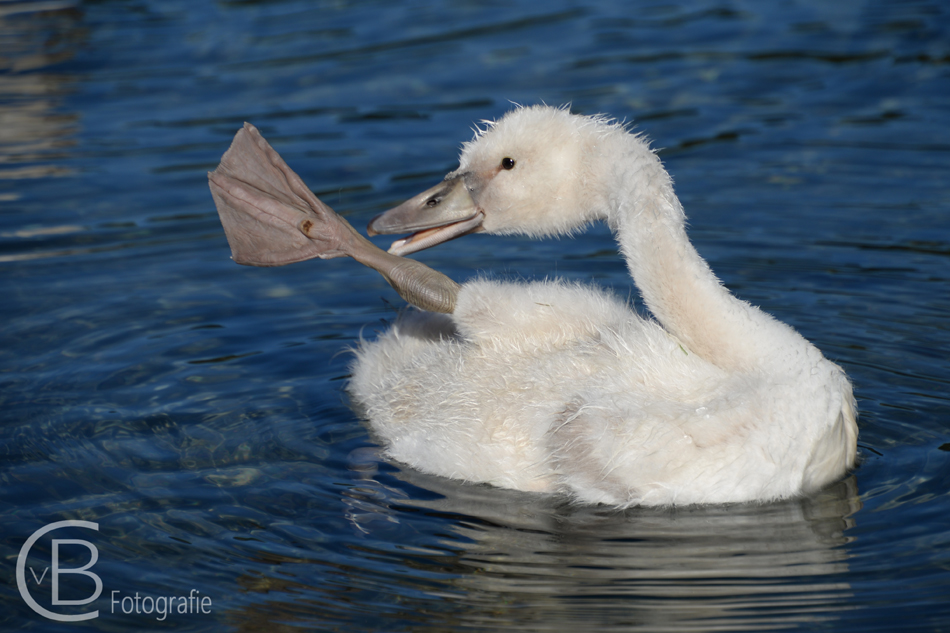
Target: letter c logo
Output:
{"points": [[57, 572]]}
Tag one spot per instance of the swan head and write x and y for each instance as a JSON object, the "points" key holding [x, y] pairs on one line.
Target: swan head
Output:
{"points": [[537, 171]]}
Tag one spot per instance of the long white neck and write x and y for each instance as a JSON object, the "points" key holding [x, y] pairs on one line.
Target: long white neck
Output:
{"points": [[676, 283]]}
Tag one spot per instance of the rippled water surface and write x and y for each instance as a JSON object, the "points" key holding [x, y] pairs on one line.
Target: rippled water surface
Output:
{"points": [[195, 410]]}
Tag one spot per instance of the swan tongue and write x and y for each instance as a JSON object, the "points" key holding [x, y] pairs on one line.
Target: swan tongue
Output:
{"points": [[430, 237], [436, 215]]}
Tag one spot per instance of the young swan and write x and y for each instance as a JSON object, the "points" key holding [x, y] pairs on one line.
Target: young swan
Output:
{"points": [[560, 387], [557, 387]]}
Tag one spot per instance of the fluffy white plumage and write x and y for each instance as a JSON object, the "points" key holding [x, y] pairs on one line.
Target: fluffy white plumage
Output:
{"points": [[558, 387]]}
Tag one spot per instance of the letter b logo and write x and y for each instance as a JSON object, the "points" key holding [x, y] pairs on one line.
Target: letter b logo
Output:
{"points": [[58, 571]]}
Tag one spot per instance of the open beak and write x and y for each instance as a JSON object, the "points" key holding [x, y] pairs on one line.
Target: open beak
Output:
{"points": [[437, 215]]}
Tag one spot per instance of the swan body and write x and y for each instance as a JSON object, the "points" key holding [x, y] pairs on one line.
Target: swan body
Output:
{"points": [[560, 387]]}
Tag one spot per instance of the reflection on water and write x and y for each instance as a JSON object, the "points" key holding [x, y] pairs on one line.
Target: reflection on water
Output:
{"points": [[35, 36], [505, 558]]}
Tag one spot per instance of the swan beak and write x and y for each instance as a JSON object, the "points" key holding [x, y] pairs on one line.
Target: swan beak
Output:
{"points": [[437, 215]]}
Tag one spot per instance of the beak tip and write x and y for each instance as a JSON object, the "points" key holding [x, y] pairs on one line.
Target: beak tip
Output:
{"points": [[371, 226]]}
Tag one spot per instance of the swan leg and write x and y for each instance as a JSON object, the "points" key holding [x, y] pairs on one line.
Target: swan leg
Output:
{"points": [[271, 218]]}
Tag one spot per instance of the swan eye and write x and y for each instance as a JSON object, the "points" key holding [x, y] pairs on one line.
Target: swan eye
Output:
{"points": [[507, 163]]}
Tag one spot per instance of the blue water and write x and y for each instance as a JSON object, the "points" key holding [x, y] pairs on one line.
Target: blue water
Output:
{"points": [[195, 409]]}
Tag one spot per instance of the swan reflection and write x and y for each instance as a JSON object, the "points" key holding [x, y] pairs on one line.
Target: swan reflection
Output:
{"points": [[453, 555]]}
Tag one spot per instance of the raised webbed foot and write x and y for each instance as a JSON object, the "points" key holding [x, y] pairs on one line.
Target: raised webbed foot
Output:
{"points": [[271, 218]]}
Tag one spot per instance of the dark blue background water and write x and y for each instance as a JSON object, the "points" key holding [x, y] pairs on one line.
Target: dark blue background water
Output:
{"points": [[195, 409]]}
